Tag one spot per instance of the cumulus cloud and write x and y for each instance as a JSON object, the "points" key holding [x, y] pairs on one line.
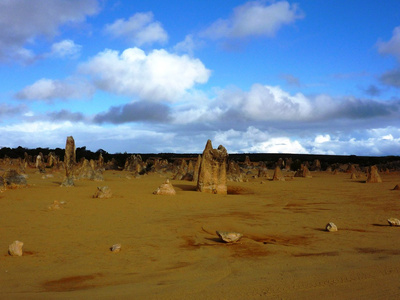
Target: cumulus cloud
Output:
{"points": [[139, 29], [65, 49], [391, 47], [134, 112], [29, 19], [254, 18], [49, 89], [156, 76], [391, 78]]}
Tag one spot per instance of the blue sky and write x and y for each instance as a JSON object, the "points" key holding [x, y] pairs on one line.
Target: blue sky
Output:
{"points": [[319, 77]]}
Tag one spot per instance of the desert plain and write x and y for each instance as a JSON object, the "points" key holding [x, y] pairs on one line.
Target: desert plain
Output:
{"points": [[169, 245]]}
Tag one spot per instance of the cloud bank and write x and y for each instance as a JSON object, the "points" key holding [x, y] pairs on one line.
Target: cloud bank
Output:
{"points": [[29, 19]]}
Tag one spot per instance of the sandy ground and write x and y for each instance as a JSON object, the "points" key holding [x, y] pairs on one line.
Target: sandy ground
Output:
{"points": [[170, 249]]}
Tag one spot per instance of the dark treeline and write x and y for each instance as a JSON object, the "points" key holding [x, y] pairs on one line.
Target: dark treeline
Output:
{"points": [[269, 158]]}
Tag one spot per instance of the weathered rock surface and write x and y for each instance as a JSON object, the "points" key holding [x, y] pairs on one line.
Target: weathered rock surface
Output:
{"points": [[278, 175], [69, 162], [303, 172], [88, 170], [165, 189], [229, 236], [15, 249], [331, 227], [394, 222], [373, 175], [12, 178], [212, 173], [103, 192]]}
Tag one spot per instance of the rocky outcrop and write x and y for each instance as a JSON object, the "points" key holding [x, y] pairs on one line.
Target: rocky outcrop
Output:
{"points": [[88, 170], [303, 172], [373, 175], [134, 164], [13, 179], [234, 173], [212, 173], [197, 169], [69, 162], [165, 189], [278, 176]]}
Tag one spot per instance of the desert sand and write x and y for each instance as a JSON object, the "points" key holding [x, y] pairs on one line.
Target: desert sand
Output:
{"points": [[170, 249]]}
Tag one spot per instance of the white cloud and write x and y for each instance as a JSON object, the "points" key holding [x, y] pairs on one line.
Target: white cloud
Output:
{"points": [[65, 48], [392, 46], [254, 18], [29, 19], [319, 139], [156, 76], [262, 103], [140, 29], [49, 89]]}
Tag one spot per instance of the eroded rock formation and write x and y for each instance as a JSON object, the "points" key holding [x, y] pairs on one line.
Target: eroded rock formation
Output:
{"points": [[212, 173]]}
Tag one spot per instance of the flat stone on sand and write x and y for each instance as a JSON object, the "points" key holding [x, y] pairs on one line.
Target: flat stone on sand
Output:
{"points": [[116, 248], [331, 227], [229, 236], [394, 222]]}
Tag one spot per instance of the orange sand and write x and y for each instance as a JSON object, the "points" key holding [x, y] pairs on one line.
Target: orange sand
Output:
{"points": [[170, 249]]}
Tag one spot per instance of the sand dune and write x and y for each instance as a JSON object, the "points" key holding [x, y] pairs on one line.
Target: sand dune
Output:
{"points": [[170, 249]]}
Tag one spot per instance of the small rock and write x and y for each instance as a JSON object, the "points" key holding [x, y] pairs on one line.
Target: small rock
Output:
{"points": [[103, 192], [116, 248], [229, 237], [15, 249], [56, 205], [331, 227], [397, 187], [394, 222], [165, 189]]}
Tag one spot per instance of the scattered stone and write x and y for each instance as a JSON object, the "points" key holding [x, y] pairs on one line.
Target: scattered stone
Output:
{"points": [[56, 205], [212, 173], [115, 248], [397, 187], [303, 172], [373, 175], [165, 189], [331, 227], [394, 222], [103, 192], [229, 237], [15, 249]]}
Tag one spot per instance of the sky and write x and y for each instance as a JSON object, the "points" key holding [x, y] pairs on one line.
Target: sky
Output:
{"points": [[316, 77]]}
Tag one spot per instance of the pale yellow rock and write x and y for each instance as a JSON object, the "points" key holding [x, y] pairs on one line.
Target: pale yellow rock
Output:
{"points": [[331, 227], [15, 249], [229, 237]]}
